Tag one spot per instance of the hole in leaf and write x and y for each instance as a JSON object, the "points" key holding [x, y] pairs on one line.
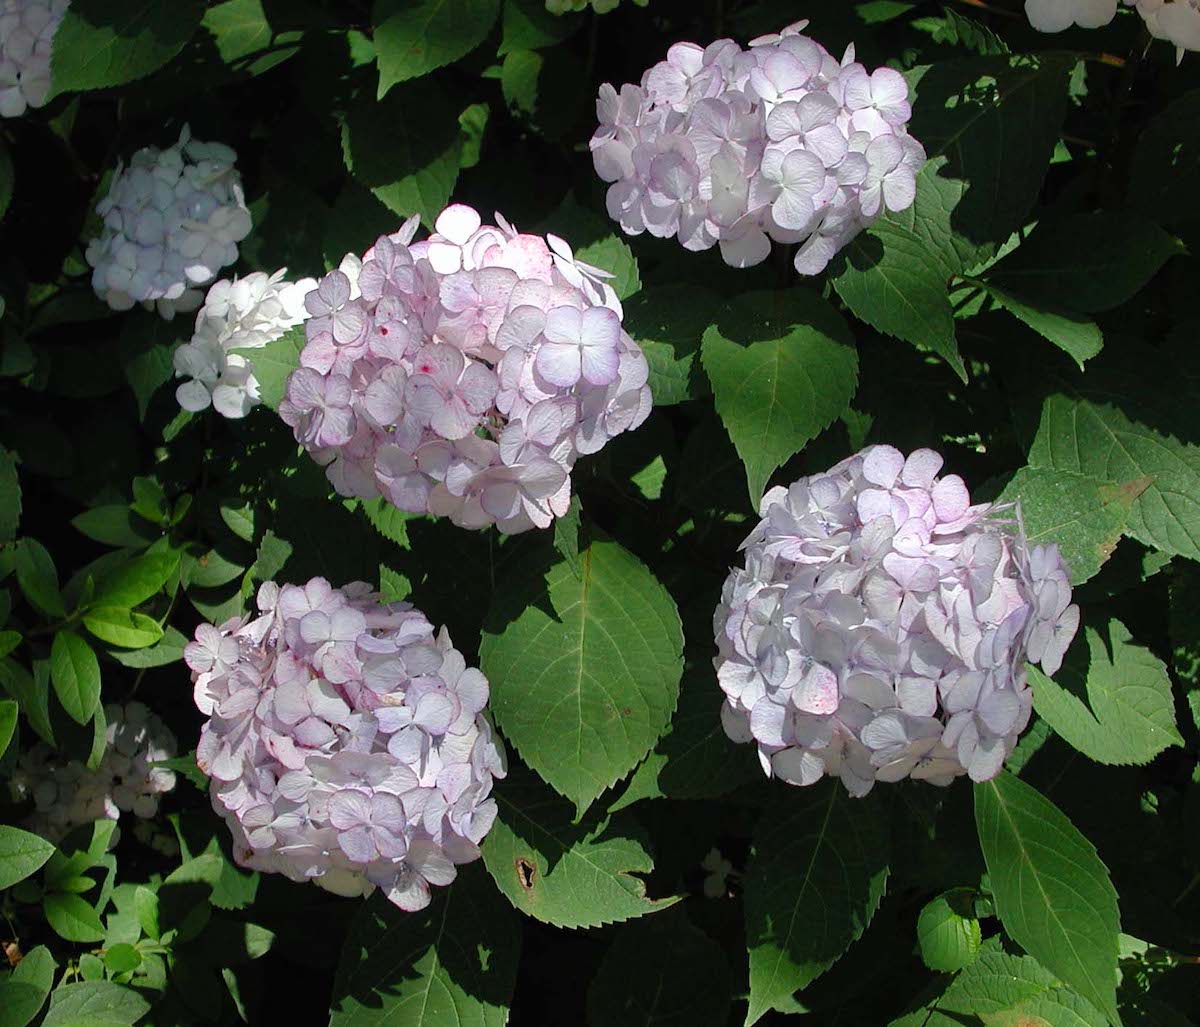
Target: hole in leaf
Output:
{"points": [[526, 873]]}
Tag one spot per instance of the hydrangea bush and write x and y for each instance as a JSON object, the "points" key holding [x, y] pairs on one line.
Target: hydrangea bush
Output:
{"points": [[805, 465]]}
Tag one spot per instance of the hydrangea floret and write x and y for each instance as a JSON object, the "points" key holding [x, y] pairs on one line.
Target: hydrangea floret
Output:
{"points": [[781, 142], [1175, 21], [346, 742], [463, 375], [172, 219], [27, 30], [242, 313], [881, 626], [68, 794]]}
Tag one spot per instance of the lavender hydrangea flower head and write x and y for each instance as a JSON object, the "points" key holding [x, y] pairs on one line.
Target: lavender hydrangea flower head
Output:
{"points": [[346, 742], [242, 313], [881, 626], [463, 375], [67, 794], [781, 142], [172, 220], [27, 30]]}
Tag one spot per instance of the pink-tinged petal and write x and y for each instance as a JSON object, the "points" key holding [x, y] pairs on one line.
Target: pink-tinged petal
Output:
{"points": [[431, 863], [950, 498], [564, 325], [541, 477], [445, 258], [750, 247], [600, 366], [767, 721], [882, 465], [358, 844], [501, 499], [349, 808], [434, 712], [306, 388], [817, 693], [315, 627], [410, 892], [559, 364], [387, 812], [886, 731], [600, 328], [785, 121], [472, 689], [478, 387], [899, 190], [873, 503], [798, 766], [458, 223], [921, 468], [452, 420]]}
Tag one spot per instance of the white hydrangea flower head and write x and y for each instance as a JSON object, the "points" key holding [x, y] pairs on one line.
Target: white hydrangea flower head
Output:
{"points": [[67, 794], [238, 313], [881, 625], [463, 375], [1058, 15], [741, 148], [172, 220], [27, 30], [347, 742]]}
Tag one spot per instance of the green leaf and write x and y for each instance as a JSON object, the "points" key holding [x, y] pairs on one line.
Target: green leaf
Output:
{"points": [[459, 960], [21, 854], [563, 873], [584, 670], [38, 577], [1078, 337], [169, 649], [239, 520], [122, 958], [948, 932], [149, 369], [32, 696], [24, 991], [660, 970], [102, 43], [390, 521], [118, 626], [566, 536], [1184, 627], [95, 1002], [75, 672], [612, 254], [8, 723], [241, 31], [989, 125], [405, 149], [783, 367], [1166, 165], [817, 875], [668, 322], [72, 917], [695, 758], [1086, 262], [139, 579], [1083, 431], [529, 26], [272, 556], [273, 363], [10, 496], [891, 279], [114, 525], [1129, 716], [413, 37], [6, 178], [9, 640], [1083, 516], [1052, 893]]}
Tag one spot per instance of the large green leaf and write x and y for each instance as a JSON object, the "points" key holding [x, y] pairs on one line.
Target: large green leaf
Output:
{"points": [[566, 873], [274, 362], [8, 723], [21, 854], [75, 673], [413, 37], [94, 1002], [1086, 262], [1052, 893], [1084, 516], [10, 496], [948, 932], [72, 917], [892, 280], [695, 759], [454, 962], [38, 577], [660, 971], [989, 125], [103, 43], [126, 628], [134, 582], [405, 149], [584, 669], [783, 367], [818, 873], [24, 991], [1077, 336], [668, 322], [244, 37], [1129, 716], [1118, 425], [1166, 165]]}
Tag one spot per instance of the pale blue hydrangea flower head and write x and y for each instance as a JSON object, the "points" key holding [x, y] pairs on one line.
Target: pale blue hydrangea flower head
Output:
{"points": [[881, 626], [347, 741]]}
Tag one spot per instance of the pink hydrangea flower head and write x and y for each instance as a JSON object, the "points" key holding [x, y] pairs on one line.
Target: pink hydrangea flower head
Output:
{"points": [[423, 356], [347, 742], [881, 625], [742, 148]]}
